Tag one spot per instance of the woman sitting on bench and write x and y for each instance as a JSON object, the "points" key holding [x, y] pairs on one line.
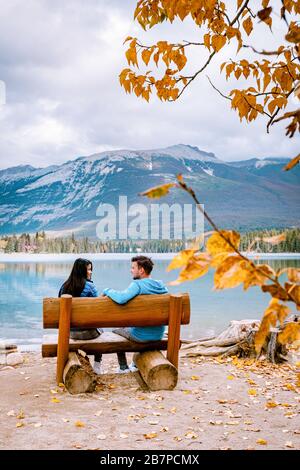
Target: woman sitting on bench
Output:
{"points": [[80, 284]]}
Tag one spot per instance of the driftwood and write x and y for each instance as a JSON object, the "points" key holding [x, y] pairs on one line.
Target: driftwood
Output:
{"points": [[156, 370], [238, 339]]}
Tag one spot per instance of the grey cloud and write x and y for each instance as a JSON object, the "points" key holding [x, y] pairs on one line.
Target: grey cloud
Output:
{"points": [[61, 60]]}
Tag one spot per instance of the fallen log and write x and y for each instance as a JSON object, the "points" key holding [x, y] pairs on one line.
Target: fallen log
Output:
{"points": [[238, 339], [157, 372], [202, 351], [76, 378]]}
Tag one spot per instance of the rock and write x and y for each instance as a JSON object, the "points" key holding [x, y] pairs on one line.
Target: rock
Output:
{"points": [[14, 358], [2, 359], [5, 346]]}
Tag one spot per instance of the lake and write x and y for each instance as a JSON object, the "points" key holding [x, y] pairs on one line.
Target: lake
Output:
{"points": [[24, 284]]}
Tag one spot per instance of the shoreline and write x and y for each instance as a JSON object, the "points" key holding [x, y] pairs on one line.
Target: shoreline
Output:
{"points": [[58, 257], [216, 405]]}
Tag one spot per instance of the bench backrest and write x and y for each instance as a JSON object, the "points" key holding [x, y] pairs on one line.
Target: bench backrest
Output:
{"points": [[91, 312]]}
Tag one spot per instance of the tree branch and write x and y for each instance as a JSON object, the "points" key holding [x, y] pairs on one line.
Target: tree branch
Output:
{"points": [[263, 52], [276, 112], [224, 96], [190, 191], [212, 53]]}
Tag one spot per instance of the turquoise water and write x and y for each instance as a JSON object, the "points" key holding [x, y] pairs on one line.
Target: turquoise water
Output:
{"points": [[23, 286]]}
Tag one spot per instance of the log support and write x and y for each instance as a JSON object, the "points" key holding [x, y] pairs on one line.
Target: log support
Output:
{"points": [[157, 372], [76, 378]]}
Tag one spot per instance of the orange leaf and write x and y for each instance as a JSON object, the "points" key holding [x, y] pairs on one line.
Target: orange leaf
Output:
{"points": [[247, 25], [218, 41], [217, 244], [181, 259]]}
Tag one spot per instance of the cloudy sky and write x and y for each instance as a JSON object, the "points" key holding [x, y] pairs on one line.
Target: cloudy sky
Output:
{"points": [[60, 62]]}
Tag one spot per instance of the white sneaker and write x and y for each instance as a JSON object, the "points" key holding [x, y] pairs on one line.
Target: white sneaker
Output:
{"points": [[122, 371], [98, 368], [133, 367]]}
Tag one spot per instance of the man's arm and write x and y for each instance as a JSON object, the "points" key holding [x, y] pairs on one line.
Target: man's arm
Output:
{"points": [[122, 297]]}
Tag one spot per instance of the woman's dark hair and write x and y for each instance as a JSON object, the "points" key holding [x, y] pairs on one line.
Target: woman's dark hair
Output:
{"points": [[143, 262], [75, 283]]}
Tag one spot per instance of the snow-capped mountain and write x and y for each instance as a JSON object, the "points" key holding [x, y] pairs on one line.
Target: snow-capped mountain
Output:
{"points": [[247, 194]]}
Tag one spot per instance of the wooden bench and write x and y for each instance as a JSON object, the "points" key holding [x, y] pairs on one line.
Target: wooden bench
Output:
{"points": [[144, 310]]}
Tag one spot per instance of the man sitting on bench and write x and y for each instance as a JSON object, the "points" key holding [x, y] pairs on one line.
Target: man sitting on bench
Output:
{"points": [[141, 267]]}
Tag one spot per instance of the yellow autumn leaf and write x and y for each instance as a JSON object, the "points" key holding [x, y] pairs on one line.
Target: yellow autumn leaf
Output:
{"points": [[289, 386], [79, 424], [158, 191], [274, 312], [218, 41], [55, 400], [197, 266], [206, 39], [251, 382], [216, 243], [230, 377], [247, 25], [289, 334], [21, 415], [191, 435], [252, 392], [146, 54], [271, 404], [262, 442], [181, 259], [195, 377], [150, 435], [231, 272], [20, 425]]}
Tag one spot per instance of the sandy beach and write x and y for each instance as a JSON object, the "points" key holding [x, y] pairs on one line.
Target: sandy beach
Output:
{"points": [[226, 405]]}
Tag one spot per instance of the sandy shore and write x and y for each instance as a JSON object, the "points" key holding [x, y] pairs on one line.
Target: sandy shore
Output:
{"points": [[216, 405]]}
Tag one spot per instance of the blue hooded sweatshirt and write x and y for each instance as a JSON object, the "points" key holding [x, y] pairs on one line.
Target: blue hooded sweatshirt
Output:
{"points": [[140, 287]]}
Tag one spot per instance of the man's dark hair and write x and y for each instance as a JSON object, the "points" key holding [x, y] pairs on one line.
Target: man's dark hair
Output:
{"points": [[143, 262]]}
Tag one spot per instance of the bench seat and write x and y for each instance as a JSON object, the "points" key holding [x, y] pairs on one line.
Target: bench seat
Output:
{"points": [[106, 343]]}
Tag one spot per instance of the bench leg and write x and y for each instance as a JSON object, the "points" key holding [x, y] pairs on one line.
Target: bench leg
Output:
{"points": [[63, 335], [174, 329]]}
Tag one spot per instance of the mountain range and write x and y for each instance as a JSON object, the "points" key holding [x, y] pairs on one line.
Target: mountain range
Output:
{"points": [[244, 195]]}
